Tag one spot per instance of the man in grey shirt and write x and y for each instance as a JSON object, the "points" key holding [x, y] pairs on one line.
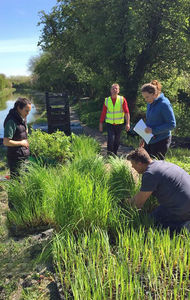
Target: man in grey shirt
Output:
{"points": [[169, 183]]}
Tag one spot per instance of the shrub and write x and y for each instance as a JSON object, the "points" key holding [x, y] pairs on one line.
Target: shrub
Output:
{"points": [[50, 148]]}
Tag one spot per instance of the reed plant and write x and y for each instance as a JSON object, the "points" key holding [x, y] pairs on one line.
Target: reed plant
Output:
{"points": [[62, 196], [32, 196], [93, 166], [77, 195], [82, 202], [84, 147], [143, 265], [121, 181]]}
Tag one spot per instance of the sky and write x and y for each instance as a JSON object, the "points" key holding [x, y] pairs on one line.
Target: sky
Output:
{"points": [[19, 33]]}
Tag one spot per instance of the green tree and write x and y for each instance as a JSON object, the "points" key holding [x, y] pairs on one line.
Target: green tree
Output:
{"points": [[2, 81], [119, 40]]}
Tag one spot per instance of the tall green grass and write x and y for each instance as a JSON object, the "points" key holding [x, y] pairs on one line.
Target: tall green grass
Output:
{"points": [[103, 248], [84, 146], [80, 194], [32, 196], [180, 157], [121, 182], [143, 265]]}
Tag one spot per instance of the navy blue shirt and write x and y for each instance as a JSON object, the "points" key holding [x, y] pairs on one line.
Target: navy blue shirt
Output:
{"points": [[160, 117], [170, 184]]}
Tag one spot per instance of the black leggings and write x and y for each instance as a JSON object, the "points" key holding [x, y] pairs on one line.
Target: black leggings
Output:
{"points": [[159, 149]]}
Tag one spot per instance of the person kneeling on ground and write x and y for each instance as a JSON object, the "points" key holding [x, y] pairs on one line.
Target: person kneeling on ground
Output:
{"points": [[169, 183]]}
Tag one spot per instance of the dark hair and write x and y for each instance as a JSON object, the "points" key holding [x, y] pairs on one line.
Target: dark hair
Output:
{"points": [[21, 103], [154, 87], [139, 155]]}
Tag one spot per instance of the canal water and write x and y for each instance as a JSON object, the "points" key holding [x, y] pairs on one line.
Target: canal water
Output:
{"points": [[6, 103]]}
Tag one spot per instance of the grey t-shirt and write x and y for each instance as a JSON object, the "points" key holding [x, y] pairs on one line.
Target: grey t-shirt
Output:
{"points": [[170, 184]]}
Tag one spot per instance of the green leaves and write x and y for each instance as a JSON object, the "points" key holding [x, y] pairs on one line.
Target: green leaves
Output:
{"points": [[50, 148], [94, 43]]}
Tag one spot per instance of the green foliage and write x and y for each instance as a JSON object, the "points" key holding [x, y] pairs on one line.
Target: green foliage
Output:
{"points": [[4, 82], [21, 82], [93, 48], [84, 146], [92, 119], [142, 263], [92, 166], [121, 181], [82, 202], [180, 157], [32, 197], [103, 249], [50, 148]]}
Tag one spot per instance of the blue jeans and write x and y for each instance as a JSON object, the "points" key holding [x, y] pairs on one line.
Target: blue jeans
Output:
{"points": [[114, 133]]}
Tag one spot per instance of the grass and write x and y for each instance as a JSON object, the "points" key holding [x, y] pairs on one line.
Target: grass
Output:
{"points": [[77, 195], [143, 265], [102, 247], [180, 157]]}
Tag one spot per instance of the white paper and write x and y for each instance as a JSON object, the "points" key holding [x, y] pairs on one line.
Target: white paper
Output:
{"points": [[139, 128]]}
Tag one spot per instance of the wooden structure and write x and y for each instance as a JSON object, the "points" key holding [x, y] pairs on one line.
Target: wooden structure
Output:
{"points": [[58, 112]]}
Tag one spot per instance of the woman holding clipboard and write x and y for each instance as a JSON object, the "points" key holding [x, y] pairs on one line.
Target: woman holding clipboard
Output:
{"points": [[160, 120]]}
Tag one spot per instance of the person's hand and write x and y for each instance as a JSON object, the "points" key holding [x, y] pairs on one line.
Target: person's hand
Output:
{"points": [[127, 127], [100, 127], [141, 144], [148, 130], [24, 143]]}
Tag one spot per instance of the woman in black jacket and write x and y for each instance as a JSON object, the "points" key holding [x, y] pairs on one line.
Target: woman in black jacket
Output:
{"points": [[15, 135]]}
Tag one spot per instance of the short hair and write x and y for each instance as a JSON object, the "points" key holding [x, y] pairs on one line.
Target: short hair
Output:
{"points": [[139, 155], [115, 84], [21, 103], [153, 87]]}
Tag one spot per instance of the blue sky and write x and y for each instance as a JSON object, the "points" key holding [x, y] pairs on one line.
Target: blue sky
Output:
{"points": [[19, 33]]}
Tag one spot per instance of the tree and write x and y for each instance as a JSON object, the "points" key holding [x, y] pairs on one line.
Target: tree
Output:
{"points": [[119, 40]]}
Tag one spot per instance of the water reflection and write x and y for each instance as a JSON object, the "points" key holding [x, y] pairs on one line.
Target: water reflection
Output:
{"points": [[6, 104]]}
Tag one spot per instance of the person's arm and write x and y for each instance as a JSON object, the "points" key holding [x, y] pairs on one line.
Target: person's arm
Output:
{"points": [[139, 199], [102, 117], [9, 131], [169, 121], [127, 114], [141, 143], [11, 143], [127, 118]]}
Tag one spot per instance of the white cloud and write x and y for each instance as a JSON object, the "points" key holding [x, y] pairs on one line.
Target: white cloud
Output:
{"points": [[18, 45]]}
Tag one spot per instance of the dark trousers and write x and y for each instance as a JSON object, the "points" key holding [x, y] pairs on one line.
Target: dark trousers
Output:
{"points": [[162, 218], [114, 133], [159, 149], [15, 166]]}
